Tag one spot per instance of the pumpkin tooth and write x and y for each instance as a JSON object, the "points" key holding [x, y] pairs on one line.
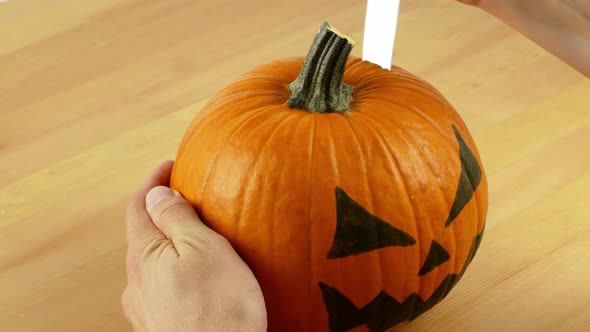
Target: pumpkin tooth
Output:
{"points": [[384, 311]]}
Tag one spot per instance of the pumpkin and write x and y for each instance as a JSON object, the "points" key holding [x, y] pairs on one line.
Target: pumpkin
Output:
{"points": [[356, 194]]}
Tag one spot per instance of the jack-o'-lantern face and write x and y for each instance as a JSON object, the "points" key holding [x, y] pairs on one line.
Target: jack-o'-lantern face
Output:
{"points": [[348, 254], [360, 214], [358, 232]]}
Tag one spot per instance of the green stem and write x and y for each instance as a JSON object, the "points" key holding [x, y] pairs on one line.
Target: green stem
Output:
{"points": [[319, 87]]}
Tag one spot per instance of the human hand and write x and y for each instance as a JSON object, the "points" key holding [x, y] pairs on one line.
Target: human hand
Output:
{"points": [[560, 27], [470, 2], [183, 276]]}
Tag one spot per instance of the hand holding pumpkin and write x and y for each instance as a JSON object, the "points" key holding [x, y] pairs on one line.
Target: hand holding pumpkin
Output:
{"points": [[182, 276]]}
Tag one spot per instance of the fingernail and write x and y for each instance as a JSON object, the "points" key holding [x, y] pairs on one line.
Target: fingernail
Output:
{"points": [[158, 194]]}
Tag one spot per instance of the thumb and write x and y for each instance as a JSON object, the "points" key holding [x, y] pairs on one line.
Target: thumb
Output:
{"points": [[171, 213]]}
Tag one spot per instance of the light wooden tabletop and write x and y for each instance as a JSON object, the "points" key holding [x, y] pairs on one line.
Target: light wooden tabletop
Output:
{"points": [[93, 94]]}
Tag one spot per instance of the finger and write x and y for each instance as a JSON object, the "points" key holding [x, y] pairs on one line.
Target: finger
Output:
{"points": [[172, 214], [470, 2], [130, 310], [126, 304], [140, 226]]}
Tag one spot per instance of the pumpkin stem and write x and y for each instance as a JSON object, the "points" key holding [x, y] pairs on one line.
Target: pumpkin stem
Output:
{"points": [[319, 87]]}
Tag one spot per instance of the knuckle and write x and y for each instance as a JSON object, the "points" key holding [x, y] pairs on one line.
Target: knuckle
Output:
{"points": [[150, 246], [214, 239], [174, 209], [129, 211], [126, 303], [131, 262], [138, 256], [204, 248], [131, 202], [221, 242]]}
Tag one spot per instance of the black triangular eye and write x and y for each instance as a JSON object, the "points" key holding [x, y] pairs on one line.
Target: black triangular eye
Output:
{"points": [[468, 180], [436, 256], [358, 231]]}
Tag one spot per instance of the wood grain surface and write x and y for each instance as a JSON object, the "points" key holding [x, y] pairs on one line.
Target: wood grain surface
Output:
{"points": [[93, 94]]}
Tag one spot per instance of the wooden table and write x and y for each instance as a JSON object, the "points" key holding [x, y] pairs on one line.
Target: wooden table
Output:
{"points": [[94, 93]]}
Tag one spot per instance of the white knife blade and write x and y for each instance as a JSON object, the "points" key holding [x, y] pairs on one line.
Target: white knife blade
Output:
{"points": [[380, 27]]}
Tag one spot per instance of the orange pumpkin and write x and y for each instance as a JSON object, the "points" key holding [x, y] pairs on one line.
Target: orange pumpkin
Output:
{"points": [[355, 194]]}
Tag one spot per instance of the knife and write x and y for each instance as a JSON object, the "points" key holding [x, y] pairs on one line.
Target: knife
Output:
{"points": [[380, 27]]}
